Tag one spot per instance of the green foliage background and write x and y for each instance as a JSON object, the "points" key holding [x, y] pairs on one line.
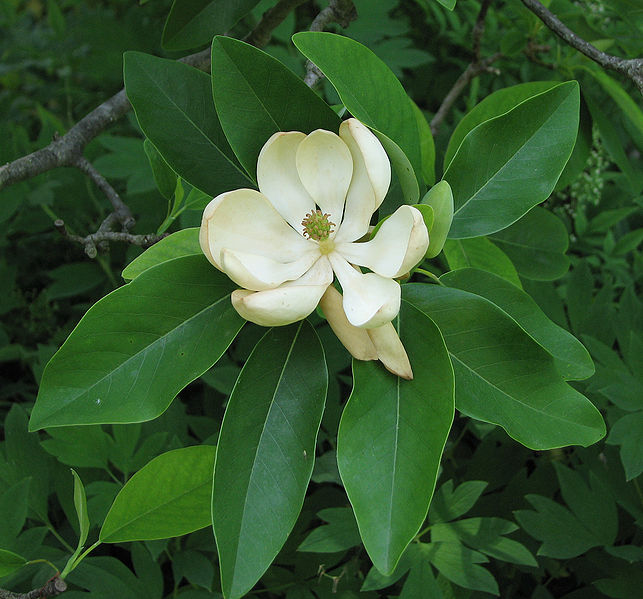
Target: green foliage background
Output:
{"points": [[505, 519]]}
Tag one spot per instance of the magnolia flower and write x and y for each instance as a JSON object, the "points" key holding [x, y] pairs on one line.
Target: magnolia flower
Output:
{"points": [[284, 245]]}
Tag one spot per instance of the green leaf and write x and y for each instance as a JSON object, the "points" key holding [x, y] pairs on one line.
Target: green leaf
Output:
{"points": [[572, 359], [177, 245], [460, 565], [14, 503], [592, 504], [371, 93], [169, 497], [255, 96], [164, 176], [448, 4], [502, 375], [485, 534], [192, 23], [628, 433], [421, 581], [510, 163], [266, 452], [563, 536], [10, 562], [83, 447], [339, 534], [74, 279], [449, 504], [482, 254], [440, 198], [427, 146], [80, 503], [495, 104], [139, 346], [536, 244], [390, 483], [173, 105]]}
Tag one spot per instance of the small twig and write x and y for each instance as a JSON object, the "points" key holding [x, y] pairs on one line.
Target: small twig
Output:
{"points": [[631, 68], [89, 242], [475, 68], [271, 19], [121, 210], [341, 12], [53, 587]]}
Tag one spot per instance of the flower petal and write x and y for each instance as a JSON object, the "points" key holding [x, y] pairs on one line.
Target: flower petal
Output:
{"points": [[257, 272], [390, 350], [325, 167], [360, 198], [278, 178], [375, 158], [370, 300], [244, 220], [287, 303], [400, 244], [355, 340]]}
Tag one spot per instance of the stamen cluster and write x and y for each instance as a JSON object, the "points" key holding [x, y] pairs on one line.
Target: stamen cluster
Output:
{"points": [[317, 226]]}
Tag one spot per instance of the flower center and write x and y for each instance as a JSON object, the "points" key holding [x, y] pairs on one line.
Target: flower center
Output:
{"points": [[317, 226]]}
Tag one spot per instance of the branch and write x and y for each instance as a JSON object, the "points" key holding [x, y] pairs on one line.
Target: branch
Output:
{"points": [[89, 242], [53, 587], [631, 68], [337, 11], [271, 19], [475, 68]]}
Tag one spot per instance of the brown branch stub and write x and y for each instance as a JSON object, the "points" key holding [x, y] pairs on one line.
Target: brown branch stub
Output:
{"points": [[342, 12], [631, 68], [271, 19], [52, 588]]}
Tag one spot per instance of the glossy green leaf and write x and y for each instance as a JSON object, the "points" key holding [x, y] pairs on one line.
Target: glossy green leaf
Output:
{"points": [[503, 376], [339, 534], [169, 497], [572, 359], [482, 254], [390, 482], [536, 245], [440, 198], [80, 503], [10, 562], [421, 580], [495, 104], [510, 163], [164, 176], [370, 92], [139, 346], [255, 96], [448, 4], [427, 146], [177, 245], [266, 452], [173, 105], [192, 23]]}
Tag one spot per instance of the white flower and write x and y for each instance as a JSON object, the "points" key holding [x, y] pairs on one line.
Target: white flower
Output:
{"points": [[283, 244]]}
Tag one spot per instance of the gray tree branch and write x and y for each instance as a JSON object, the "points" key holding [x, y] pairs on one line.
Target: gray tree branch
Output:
{"points": [[631, 68], [51, 588]]}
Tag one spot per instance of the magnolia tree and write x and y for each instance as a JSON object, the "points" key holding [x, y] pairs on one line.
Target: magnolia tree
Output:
{"points": [[323, 225]]}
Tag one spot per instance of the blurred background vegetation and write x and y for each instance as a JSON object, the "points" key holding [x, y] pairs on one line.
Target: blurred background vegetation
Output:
{"points": [[59, 59]]}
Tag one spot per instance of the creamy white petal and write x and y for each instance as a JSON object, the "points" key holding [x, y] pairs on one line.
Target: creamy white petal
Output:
{"points": [[360, 198], [278, 178], [399, 244], [390, 350], [203, 231], [244, 220], [375, 158], [355, 340], [257, 272], [370, 300], [287, 303], [325, 168]]}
